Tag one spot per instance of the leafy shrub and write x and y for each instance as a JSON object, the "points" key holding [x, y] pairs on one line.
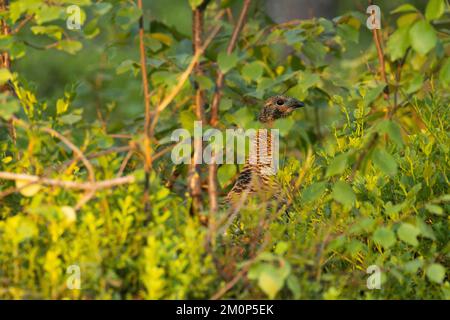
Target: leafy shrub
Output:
{"points": [[365, 164]]}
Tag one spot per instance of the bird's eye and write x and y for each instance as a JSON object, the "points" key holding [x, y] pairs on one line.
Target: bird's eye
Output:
{"points": [[280, 102]]}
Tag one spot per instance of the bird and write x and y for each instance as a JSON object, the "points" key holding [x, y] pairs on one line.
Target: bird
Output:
{"points": [[258, 173]]}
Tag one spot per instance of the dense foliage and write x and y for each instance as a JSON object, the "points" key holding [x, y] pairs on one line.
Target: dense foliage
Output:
{"points": [[365, 162]]}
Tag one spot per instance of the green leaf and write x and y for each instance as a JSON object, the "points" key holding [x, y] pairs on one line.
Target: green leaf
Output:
{"points": [[253, 71], [205, 83], [24, 228], [242, 117], [413, 266], [48, 13], [338, 165], [435, 9], [407, 20], [444, 74], [394, 132], [404, 8], [61, 106], [270, 281], [314, 191], [363, 225], [26, 189], [70, 46], [225, 104], [127, 65], [408, 233], [426, 230], [91, 30], [384, 237], [179, 16], [315, 51], [373, 94], [70, 118], [102, 8], [384, 161], [225, 173], [308, 80], [8, 108], [436, 273], [434, 208], [415, 83], [423, 37], [128, 16], [348, 33], [51, 31], [293, 285], [195, 3], [5, 75], [398, 43], [226, 61], [343, 193]]}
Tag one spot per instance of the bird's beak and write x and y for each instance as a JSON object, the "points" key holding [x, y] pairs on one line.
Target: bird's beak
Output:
{"points": [[296, 104]]}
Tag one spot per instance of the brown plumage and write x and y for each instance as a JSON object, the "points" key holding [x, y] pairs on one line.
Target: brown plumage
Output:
{"points": [[258, 175]]}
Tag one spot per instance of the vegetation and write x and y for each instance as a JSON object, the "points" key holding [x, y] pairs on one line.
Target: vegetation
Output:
{"points": [[86, 177]]}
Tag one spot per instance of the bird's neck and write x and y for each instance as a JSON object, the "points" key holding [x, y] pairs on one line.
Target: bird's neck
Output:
{"points": [[261, 151]]}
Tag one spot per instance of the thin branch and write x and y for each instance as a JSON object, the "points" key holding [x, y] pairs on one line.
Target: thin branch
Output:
{"points": [[222, 291], [104, 184], [22, 24], [377, 39], [147, 147], [220, 76], [398, 77], [64, 140], [212, 169], [108, 151], [124, 163], [185, 75], [194, 184]]}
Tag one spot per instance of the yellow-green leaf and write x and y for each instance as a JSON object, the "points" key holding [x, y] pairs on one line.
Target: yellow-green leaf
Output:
{"points": [[435, 9], [408, 233], [27, 189], [436, 273], [343, 193]]}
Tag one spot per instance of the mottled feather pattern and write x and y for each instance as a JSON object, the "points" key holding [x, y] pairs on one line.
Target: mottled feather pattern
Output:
{"points": [[259, 172]]}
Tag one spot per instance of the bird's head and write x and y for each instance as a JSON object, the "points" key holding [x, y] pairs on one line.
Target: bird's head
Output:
{"points": [[277, 107]]}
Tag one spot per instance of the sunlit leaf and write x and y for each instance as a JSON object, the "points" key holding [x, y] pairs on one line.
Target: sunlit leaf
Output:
{"points": [[435, 9], [337, 165], [384, 161], [227, 61], [384, 237], [408, 233], [423, 37], [436, 272], [343, 193]]}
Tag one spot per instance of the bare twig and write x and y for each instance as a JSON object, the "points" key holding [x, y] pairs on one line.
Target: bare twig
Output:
{"points": [[194, 183], [124, 163], [212, 169], [64, 140], [104, 184], [147, 147], [398, 76], [185, 75], [220, 76], [22, 23], [377, 39], [240, 274]]}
